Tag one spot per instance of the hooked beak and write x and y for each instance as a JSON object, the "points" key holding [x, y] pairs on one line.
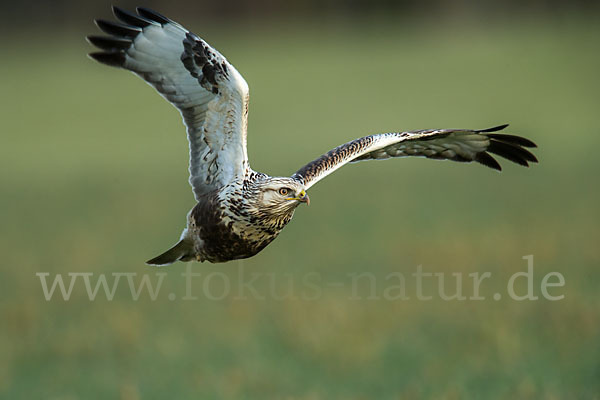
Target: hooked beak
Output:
{"points": [[302, 198]]}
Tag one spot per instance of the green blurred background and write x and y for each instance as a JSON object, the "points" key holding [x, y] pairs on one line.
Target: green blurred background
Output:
{"points": [[94, 180]]}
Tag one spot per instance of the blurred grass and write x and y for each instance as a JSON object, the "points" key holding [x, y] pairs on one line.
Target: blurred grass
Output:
{"points": [[94, 180]]}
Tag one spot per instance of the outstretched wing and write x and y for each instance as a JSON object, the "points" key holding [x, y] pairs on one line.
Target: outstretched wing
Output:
{"points": [[210, 94], [463, 145]]}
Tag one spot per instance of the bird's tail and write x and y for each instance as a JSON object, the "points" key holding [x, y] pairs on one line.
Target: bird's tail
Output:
{"points": [[182, 251]]}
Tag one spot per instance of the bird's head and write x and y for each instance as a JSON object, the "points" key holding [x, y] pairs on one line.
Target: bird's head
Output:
{"points": [[281, 195]]}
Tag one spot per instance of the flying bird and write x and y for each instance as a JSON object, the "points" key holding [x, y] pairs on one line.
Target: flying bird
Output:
{"points": [[240, 211]]}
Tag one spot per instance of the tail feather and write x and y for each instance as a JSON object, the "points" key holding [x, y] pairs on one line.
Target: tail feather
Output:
{"points": [[182, 251]]}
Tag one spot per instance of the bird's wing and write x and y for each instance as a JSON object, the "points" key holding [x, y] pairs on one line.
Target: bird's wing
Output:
{"points": [[463, 145], [208, 91]]}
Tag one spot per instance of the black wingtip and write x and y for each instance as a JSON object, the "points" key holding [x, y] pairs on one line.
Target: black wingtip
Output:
{"points": [[108, 43], [130, 18], [511, 152], [116, 29], [511, 147], [487, 160], [114, 59], [493, 129], [512, 139], [152, 15]]}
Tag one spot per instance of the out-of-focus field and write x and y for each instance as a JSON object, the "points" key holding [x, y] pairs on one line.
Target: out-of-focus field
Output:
{"points": [[94, 179]]}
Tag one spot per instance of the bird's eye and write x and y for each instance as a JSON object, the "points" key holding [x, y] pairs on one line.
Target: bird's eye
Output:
{"points": [[284, 191]]}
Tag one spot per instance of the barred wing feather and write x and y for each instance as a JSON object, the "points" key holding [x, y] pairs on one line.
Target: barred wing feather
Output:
{"points": [[462, 145], [210, 94]]}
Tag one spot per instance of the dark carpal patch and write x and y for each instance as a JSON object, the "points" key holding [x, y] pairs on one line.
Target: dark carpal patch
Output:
{"points": [[203, 63]]}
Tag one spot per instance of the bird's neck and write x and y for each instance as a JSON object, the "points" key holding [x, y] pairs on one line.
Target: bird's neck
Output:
{"points": [[253, 216]]}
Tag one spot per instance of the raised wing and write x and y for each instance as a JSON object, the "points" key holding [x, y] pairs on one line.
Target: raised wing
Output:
{"points": [[463, 145], [210, 94]]}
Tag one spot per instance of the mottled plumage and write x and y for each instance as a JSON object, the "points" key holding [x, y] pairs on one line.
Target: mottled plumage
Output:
{"points": [[240, 211]]}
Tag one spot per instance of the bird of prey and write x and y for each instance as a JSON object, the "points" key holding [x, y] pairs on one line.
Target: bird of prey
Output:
{"points": [[240, 211]]}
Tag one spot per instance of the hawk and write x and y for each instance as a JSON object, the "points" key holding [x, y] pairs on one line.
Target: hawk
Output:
{"points": [[240, 211]]}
